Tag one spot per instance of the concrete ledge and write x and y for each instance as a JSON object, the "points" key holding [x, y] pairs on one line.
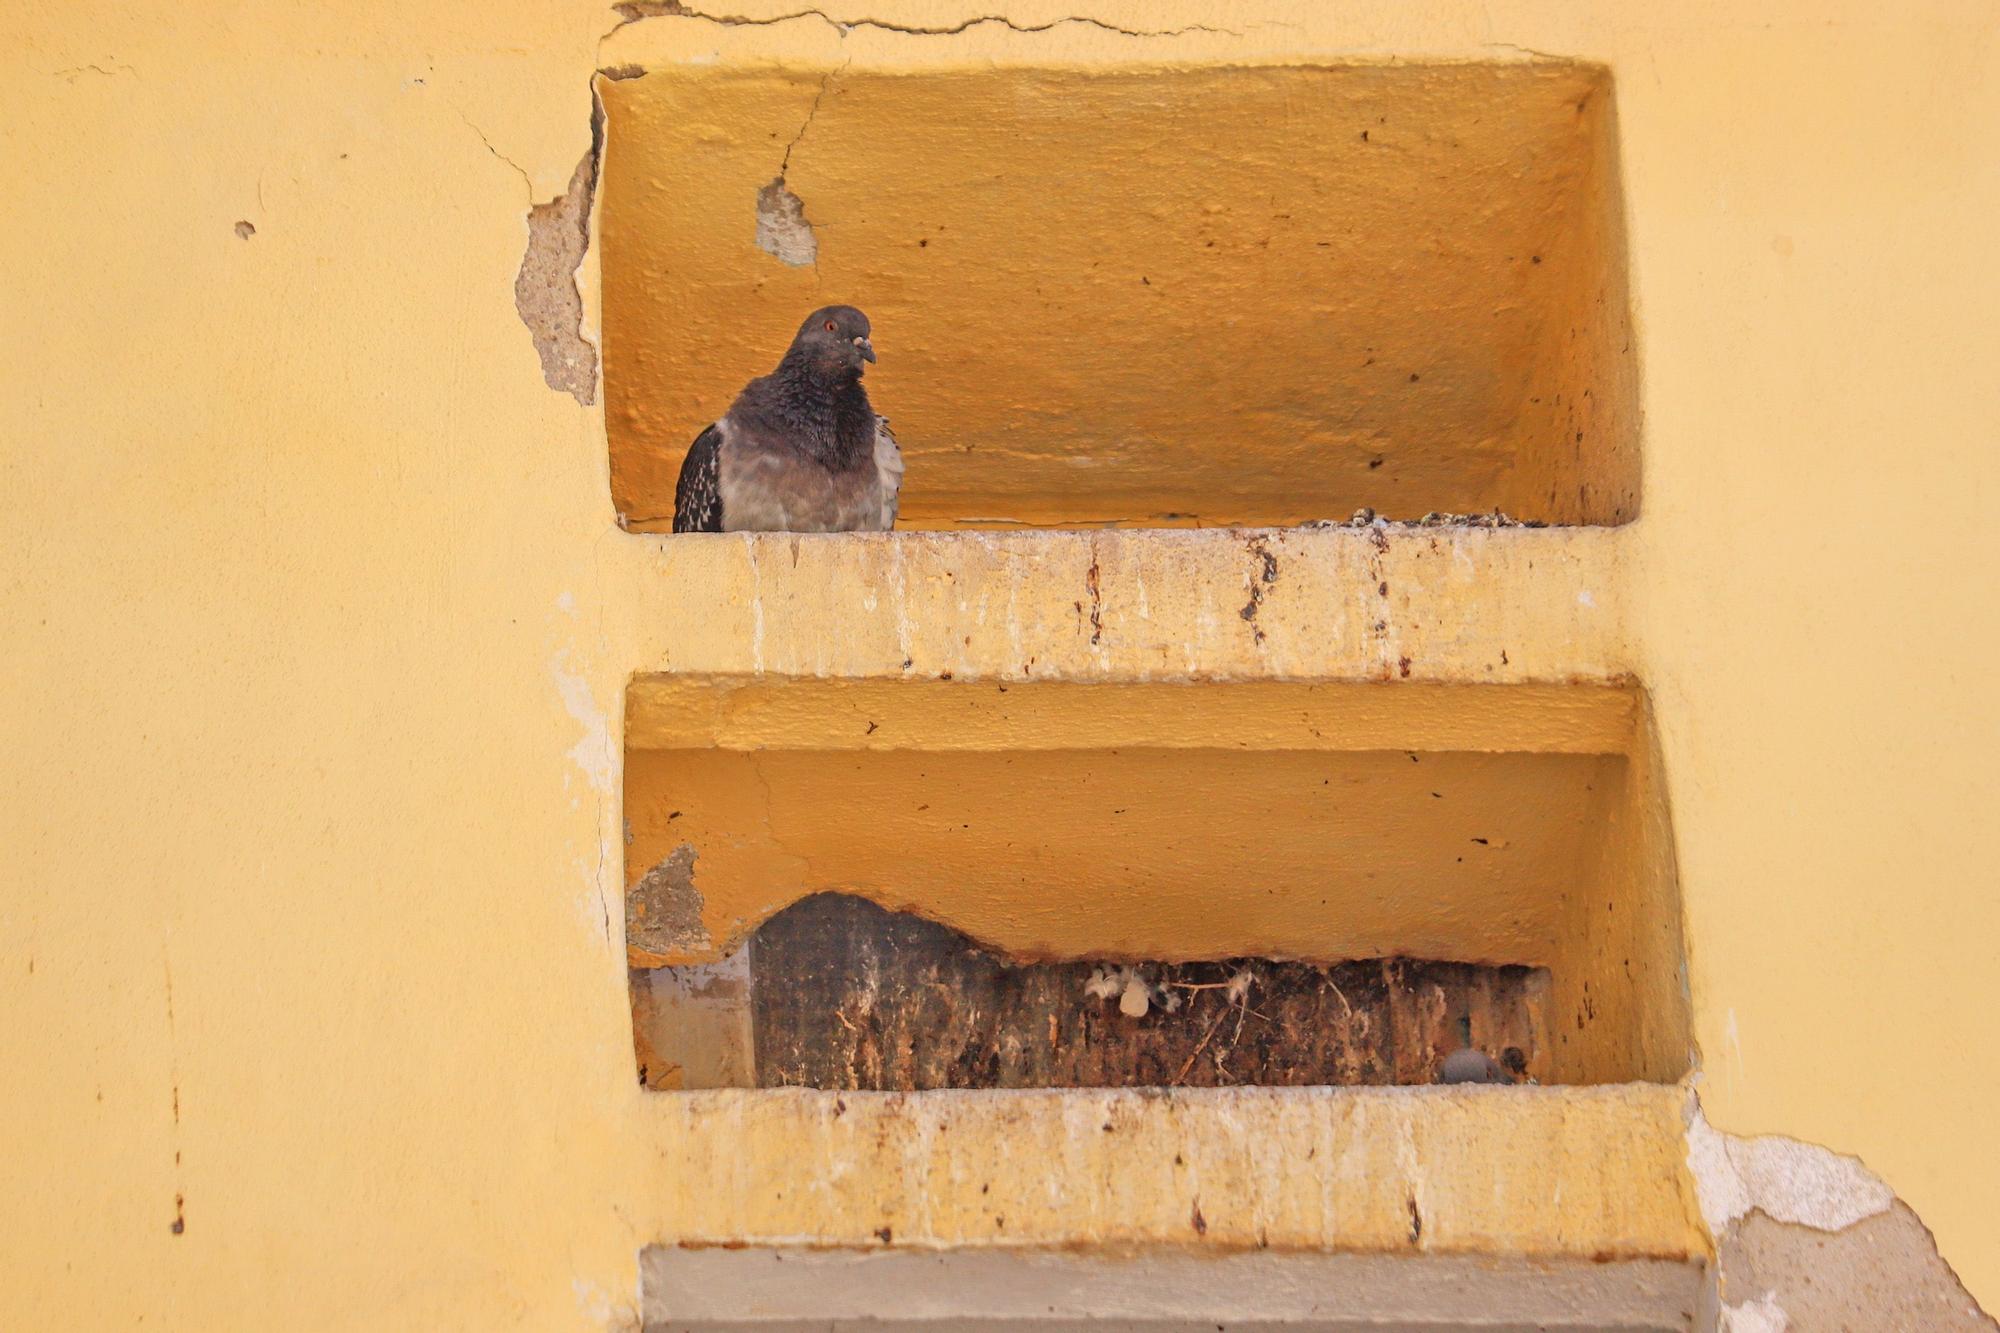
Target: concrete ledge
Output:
{"points": [[750, 713], [1156, 1291], [1462, 605], [1542, 1174]]}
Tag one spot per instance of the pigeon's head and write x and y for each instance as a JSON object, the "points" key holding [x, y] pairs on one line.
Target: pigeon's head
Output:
{"points": [[834, 341]]}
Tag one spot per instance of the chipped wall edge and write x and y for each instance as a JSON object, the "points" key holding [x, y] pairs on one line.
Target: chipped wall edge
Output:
{"points": [[1810, 1238], [547, 294]]}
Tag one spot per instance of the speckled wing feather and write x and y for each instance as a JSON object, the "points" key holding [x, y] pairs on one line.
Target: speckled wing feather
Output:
{"points": [[698, 495], [889, 468]]}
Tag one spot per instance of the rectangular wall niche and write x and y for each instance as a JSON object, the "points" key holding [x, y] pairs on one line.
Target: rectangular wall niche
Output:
{"points": [[1141, 297], [923, 884]]}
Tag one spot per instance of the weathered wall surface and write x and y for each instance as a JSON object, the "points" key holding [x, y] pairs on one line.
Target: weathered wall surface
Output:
{"points": [[312, 990]]}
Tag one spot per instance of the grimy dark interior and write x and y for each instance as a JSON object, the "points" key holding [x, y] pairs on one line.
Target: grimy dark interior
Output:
{"points": [[849, 996]]}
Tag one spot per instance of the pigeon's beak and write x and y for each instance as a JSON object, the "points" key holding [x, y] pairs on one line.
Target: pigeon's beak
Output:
{"points": [[867, 349]]}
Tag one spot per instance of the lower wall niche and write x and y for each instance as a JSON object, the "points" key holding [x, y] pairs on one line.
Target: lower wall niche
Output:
{"points": [[842, 994], [1056, 884]]}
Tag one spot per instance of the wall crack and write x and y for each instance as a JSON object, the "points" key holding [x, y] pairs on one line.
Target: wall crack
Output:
{"points": [[785, 163], [635, 10], [498, 156], [783, 230], [75, 72]]}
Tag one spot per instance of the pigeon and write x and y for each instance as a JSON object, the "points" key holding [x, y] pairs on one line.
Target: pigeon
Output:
{"points": [[1469, 1064], [801, 449]]}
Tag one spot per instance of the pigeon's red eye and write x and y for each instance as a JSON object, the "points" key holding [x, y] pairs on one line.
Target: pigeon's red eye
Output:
{"points": [[829, 326]]}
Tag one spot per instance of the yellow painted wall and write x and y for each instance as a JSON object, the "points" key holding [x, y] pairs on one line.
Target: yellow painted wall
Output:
{"points": [[316, 621]]}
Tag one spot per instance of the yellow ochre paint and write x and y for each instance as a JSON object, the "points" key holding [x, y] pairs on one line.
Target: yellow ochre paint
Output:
{"points": [[320, 621]]}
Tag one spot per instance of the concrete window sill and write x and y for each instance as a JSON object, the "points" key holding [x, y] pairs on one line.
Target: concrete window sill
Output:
{"points": [[1453, 1207]]}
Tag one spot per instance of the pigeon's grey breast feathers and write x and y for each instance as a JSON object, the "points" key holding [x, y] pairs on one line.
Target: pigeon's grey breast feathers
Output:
{"points": [[769, 485]]}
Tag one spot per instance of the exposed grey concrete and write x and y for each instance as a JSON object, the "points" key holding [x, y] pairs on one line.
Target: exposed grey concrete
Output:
{"points": [[1158, 1292], [692, 1025], [545, 290], [1811, 1239], [1881, 1273]]}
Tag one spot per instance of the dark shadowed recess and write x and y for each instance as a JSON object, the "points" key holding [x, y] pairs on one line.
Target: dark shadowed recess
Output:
{"points": [[849, 996]]}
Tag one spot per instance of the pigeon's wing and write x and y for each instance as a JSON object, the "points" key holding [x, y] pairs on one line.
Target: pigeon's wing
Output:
{"points": [[698, 496], [889, 469]]}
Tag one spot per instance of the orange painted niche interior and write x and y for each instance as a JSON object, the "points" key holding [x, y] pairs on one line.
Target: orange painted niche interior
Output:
{"points": [[1518, 831], [1140, 297]]}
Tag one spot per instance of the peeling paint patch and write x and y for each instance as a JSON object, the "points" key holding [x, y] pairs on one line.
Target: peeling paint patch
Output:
{"points": [[594, 757], [592, 751], [663, 910], [1883, 1272], [545, 290], [1780, 1177], [602, 1310], [782, 229], [1762, 1315], [634, 10]]}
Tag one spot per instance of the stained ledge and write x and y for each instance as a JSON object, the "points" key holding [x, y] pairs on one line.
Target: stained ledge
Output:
{"points": [[1595, 1174], [1446, 604]]}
